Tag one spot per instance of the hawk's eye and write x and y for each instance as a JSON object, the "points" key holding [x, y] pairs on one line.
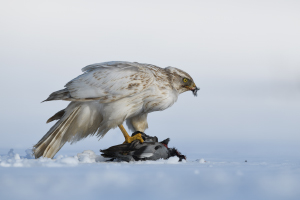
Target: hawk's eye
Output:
{"points": [[185, 80]]}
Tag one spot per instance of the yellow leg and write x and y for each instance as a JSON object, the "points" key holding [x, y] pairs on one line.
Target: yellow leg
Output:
{"points": [[129, 139]]}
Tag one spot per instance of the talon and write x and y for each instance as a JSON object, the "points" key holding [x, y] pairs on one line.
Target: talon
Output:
{"points": [[135, 137], [129, 139]]}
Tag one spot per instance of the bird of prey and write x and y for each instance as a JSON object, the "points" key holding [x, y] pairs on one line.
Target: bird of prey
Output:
{"points": [[106, 95]]}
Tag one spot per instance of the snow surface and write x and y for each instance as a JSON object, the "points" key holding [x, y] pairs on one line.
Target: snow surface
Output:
{"points": [[87, 176]]}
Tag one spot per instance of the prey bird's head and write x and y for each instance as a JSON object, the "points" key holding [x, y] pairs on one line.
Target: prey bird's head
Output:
{"points": [[182, 81]]}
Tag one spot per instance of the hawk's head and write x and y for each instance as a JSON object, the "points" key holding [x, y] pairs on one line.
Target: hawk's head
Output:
{"points": [[182, 81]]}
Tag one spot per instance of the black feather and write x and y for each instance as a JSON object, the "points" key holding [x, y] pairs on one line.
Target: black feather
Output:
{"points": [[166, 141]]}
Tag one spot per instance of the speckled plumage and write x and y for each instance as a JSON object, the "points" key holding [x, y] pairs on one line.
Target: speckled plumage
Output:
{"points": [[106, 95]]}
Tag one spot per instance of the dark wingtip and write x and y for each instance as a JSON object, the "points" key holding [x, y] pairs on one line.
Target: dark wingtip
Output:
{"points": [[48, 99], [57, 116]]}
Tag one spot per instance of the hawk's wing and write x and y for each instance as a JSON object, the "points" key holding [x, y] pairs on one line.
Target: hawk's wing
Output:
{"points": [[110, 81]]}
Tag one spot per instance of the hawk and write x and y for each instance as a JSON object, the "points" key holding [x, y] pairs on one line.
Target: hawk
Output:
{"points": [[108, 94]]}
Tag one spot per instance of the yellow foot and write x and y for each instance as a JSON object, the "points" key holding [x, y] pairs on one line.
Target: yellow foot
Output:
{"points": [[135, 137]]}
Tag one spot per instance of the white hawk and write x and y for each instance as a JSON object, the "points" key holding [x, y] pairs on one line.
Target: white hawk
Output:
{"points": [[106, 95]]}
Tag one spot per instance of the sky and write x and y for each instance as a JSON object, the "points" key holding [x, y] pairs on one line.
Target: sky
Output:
{"points": [[244, 55]]}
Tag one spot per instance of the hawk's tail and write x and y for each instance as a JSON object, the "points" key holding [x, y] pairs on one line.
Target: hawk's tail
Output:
{"points": [[76, 122]]}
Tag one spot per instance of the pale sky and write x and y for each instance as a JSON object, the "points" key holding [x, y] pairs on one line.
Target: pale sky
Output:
{"points": [[244, 55]]}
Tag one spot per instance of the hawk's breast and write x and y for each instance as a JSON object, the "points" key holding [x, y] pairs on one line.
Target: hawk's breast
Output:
{"points": [[159, 99]]}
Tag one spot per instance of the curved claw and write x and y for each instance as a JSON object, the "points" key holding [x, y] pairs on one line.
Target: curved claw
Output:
{"points": [[135, 137]]}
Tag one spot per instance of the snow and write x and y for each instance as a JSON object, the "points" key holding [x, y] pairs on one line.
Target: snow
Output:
{"points": [[86, 175], [201, 160]]}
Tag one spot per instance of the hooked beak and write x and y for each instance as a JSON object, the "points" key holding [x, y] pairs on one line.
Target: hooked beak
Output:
{"points": [[194, 89]]}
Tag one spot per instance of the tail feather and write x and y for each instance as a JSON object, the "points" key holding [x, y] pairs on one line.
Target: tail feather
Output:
{"points": [[79, 120], [56, 142]]}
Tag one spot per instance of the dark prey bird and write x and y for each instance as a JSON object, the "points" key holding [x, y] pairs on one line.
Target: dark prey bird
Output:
{"points": [[151, 149]]}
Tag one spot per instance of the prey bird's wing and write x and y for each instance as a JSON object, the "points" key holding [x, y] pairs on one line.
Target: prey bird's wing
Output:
{"points": [[110, 81]]}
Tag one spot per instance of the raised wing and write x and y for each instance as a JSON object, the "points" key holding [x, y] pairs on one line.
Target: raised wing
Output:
{"points": [[110, 81]]}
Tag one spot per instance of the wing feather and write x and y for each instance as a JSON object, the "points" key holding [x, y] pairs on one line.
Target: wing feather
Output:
{"points": [[110, 81]]}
